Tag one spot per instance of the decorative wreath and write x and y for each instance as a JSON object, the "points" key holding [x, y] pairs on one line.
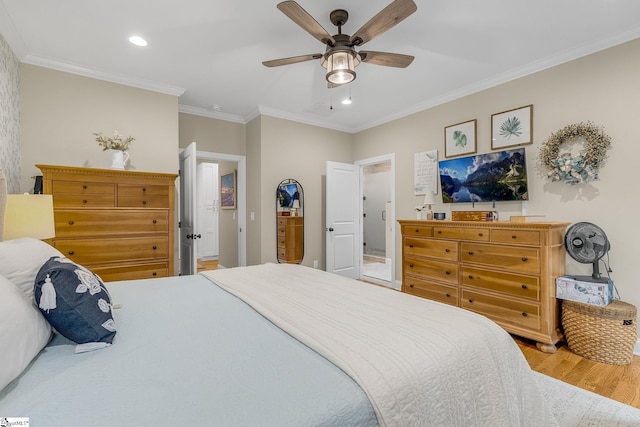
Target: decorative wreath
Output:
{"points": [[575, 169]]}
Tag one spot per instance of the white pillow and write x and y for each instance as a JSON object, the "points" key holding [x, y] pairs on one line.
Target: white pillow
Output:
{"points": [[23, 331], [21, 259]]}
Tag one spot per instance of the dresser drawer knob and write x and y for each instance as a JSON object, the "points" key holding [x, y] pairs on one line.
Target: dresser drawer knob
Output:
{"points": [[410, 265], [144, 189], [480, 234], [524, 259], [470, 252], [471, 300], [447, 250], [84, 187], [410, 246], [524, 286], [85, 202], [514, 236], [471, 277], [155, 247], [71, 252], [144, 202], [71, 222], [448, 295], [155, 221], [439, 231], [524, 314], [411, 286], [154, 273], [447, 272]]}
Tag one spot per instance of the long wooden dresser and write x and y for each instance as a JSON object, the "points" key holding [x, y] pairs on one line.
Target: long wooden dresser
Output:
{"points": [[118, 223], [504, 271]]}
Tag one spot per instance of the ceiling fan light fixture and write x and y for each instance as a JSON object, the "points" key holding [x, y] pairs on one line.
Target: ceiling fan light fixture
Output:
{"points": [[340, 65]]}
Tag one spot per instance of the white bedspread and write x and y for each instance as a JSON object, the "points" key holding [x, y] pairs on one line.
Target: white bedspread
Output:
{"points": [[421, 363]]}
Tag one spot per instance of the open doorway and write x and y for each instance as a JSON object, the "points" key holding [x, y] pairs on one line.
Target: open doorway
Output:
{"points": [[231, 235], [377, 177]]}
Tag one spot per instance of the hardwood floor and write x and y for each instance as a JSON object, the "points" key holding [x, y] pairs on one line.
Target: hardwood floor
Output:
{"points": [[621, 383], [207, 265]]}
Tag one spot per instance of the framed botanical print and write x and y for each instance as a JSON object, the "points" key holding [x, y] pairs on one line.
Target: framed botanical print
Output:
{"points": [[460, 139], [512, 128]]}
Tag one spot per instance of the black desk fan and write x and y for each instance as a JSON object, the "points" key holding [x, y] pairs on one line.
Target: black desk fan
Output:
{"points": [[587, 243]]}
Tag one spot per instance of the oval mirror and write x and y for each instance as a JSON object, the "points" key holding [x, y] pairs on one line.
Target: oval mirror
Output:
{"points": [[290, 221]]}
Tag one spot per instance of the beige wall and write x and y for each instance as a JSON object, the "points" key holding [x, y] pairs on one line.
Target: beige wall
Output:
{"points": [[61, 111], [603, 88], [228, 226], [298, 151], [212, 135], [254, 191]]}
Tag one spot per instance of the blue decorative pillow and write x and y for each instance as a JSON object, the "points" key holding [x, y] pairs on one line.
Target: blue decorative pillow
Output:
{"points": [[74, 301]]}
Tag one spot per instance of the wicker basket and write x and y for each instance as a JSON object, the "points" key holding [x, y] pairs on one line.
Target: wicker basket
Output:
{"points": [[604, 334]]}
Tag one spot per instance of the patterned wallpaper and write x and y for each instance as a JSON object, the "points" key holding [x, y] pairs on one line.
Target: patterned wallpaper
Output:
{"points": [[9, 117]]}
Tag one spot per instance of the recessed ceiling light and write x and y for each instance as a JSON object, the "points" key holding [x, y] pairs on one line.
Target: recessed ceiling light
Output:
{"points": [[138, 41], [346, 101]]}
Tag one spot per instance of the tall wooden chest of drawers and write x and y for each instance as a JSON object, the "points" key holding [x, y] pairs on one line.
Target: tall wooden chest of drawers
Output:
{"points": [[504, 271], [120, 224], [290, 239]]}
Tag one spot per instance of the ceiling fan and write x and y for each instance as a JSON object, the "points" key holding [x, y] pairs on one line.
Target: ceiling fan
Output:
{"points": [[340, 57]]}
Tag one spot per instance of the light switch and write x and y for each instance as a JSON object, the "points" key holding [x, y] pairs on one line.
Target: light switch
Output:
{"points": [[252, 216]]}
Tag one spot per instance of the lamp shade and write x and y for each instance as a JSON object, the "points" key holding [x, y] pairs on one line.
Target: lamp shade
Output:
{"points": [[29, 215], [296, 204], [429, 198], [340, 65]]}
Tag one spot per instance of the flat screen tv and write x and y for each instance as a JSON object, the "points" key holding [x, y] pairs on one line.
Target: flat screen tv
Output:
{"points": [[490, 177]]}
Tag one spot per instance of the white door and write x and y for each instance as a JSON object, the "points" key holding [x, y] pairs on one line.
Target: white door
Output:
{"points": [[343, 220], [207, 214], [188, 210]]}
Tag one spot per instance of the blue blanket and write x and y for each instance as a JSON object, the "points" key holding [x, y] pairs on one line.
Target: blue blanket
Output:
{"points": [[186, 353]]}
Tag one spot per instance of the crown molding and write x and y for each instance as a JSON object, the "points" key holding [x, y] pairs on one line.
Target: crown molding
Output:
{"points": [[513, 74], [99, 75], [300, 118], [203, 112]]}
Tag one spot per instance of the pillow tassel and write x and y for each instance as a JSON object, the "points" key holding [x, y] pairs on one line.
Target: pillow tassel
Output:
{"points": [[48, 297]]}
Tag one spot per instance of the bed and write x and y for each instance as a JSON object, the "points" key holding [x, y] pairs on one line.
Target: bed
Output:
{"points": [[277, 345]]}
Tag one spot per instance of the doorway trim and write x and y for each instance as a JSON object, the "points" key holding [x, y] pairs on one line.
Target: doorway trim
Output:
{"points": [[390, 216], [241, 196]]}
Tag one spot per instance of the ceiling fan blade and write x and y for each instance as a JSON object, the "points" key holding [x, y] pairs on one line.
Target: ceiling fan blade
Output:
{"points": [[301, 17], [291, 60], [387, 59], [388, 17]]}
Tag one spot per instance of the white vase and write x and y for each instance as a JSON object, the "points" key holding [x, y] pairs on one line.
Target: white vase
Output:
{"points": [[118, 158]]}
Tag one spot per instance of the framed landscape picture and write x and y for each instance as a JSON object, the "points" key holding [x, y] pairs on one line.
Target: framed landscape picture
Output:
{"points": [[228, 190], [460, 139], [512, 128]]}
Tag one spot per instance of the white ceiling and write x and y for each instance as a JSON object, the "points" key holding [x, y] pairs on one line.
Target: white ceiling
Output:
{"points": [[209, 52]]}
